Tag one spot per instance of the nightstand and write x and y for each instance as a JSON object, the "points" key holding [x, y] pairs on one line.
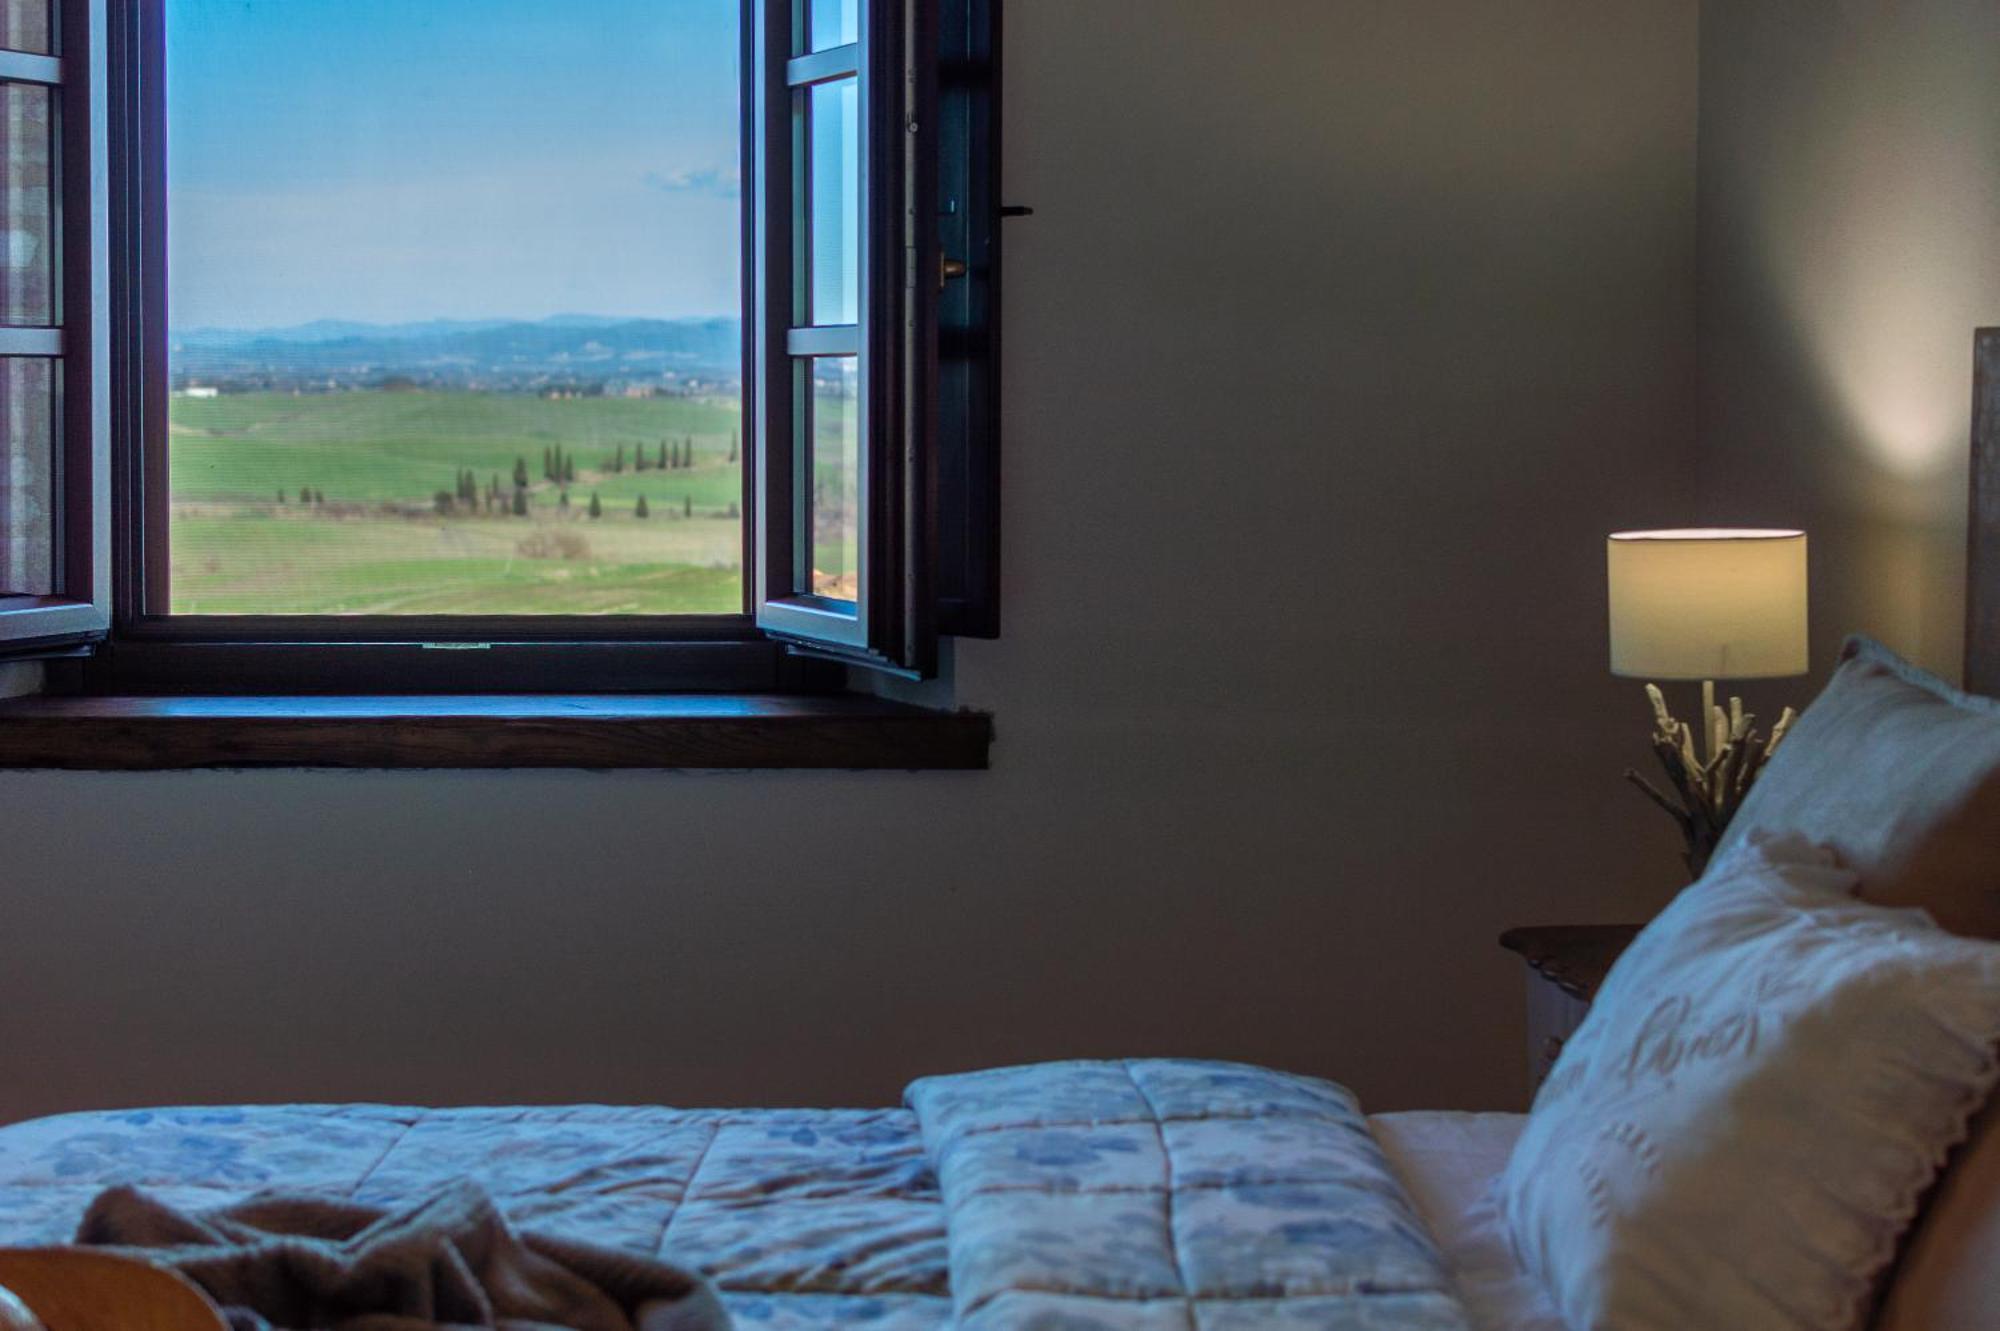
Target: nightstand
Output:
{"points": [[1566, 964]]}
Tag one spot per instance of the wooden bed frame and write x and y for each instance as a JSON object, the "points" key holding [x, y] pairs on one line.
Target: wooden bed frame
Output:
{"points": [[76, 1289], [1982, 565]]}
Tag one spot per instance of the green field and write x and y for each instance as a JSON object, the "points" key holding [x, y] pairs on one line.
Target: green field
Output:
{"points": [[242, 542]]}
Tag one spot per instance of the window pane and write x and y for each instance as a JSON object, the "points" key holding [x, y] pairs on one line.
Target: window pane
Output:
{"points": [[835, 23], [454, 307], [24, 25], [835, 474], [836, 203], [27, 213], [27, 477]]}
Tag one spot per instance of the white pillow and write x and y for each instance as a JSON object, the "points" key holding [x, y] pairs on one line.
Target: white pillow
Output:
{"points": [[1744, 1124], [1899, 774]]}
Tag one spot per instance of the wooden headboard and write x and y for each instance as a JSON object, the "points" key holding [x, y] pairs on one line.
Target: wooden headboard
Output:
{"points": [[1982, 568]]}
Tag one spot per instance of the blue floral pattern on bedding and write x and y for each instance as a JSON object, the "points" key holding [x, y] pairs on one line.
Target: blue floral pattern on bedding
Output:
{"points": [[1173, 1193], [1123, 1196], [804, 1219]]}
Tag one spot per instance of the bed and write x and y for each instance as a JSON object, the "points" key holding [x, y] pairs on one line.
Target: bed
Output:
{"points": [[1126, 1195], [1114, 1194]]}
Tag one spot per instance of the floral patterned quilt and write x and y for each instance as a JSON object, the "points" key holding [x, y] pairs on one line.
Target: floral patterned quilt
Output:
{"points": [[1160, 1194], [1124, 1196]]}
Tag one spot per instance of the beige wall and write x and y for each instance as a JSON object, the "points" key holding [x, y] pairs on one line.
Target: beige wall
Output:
{"points": [[1850, 243], [1342, 333]]}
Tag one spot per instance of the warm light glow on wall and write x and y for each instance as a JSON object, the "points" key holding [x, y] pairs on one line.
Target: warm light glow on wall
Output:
{"points": [[1877, 322], [1878, 228]]}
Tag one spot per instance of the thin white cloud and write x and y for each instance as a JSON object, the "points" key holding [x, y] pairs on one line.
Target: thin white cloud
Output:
{"points": [[718, 181]]}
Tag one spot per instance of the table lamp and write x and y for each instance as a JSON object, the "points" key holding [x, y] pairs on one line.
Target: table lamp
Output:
{"points": [[1705, 604]]}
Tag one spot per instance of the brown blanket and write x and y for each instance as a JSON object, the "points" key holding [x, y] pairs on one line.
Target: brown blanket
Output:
{"points": [[452, 1261]]}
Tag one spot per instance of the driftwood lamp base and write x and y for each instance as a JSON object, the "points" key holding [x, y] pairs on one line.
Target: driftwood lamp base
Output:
{"points": [[1704, 790]]}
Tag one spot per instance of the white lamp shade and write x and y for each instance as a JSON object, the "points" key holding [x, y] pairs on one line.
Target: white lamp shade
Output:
{"points": [[1708, 603]]}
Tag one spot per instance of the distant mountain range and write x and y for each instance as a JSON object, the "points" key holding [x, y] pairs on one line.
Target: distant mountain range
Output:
{"points": [[569, 346]]}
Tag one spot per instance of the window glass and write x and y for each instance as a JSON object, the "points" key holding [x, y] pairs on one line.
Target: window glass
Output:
{"points": [[835, 23], [27, 208], [27, 477], [24, 26], [454, 320], [836, 203], [835, 477]]}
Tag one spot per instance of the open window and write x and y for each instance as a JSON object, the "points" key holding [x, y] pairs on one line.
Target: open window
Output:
{"points": [[55, 570], [484, 346], [845, 276]]}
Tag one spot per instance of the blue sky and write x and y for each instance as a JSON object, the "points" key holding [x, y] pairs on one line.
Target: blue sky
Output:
{"points": [[395, 160]]}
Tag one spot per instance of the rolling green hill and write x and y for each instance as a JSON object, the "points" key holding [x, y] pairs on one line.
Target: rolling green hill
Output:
{"points": [[376, 546], [391, 447]]}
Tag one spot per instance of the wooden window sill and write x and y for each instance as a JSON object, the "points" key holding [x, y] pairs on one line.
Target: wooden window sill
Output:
{"points": [[528, 730]]}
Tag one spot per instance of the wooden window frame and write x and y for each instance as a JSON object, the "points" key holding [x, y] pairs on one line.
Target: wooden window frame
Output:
{"points": [[153, 651], [891, 623], [114, 431], [79, 341]]}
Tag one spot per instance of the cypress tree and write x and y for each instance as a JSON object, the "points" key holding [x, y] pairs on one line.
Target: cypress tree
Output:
{"points": [[569, 470], [562, 500], [596, 509], [281, 496], [640, 510], [618, 463], [521, 502], [548, 465], [639, 462], [663, 455], [732, 445], [520, 473], [687, 506]]}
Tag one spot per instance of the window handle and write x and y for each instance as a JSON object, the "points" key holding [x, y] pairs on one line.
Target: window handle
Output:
{"points": [[949, 268]]}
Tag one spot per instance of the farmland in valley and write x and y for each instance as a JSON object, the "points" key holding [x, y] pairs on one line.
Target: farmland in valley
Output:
{"points": [[329, 503], [570, 466]]}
